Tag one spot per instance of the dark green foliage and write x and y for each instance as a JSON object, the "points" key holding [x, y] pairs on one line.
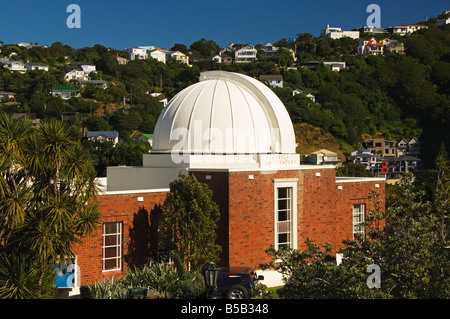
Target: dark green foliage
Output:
{"points": [[161, 279], [411, 251], [47, 203], [189, 221]]}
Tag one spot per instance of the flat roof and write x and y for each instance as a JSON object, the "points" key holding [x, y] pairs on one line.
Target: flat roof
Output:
{"points": [[359, 179]]}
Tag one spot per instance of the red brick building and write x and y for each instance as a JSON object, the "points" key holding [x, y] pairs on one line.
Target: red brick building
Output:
{"points": [[234, 135]]}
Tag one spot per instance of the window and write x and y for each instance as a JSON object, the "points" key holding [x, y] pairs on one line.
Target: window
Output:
{"points": [[358, 220], [284, 213], [112, 246], [285, 216]]}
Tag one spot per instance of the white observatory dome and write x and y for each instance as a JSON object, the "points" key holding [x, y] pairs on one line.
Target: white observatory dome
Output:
{"points": [[225, 113]]}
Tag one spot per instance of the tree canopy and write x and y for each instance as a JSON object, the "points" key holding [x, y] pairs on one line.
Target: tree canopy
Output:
{"points": [[47, 203], [189, 222], [411, 251]]}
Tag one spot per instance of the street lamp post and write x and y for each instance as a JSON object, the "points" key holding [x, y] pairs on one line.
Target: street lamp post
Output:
{"points": [[211, 274]]}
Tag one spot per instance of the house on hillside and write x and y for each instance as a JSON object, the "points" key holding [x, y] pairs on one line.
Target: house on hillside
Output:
{"points": [[146, 138], [337, 33], [84, 66], [370, 47], [322, 157], [120, 60], [246, 54], [14, 66], [76, 75], [222, 58], [36, 66], [381, 147], [79, 71], [372, 30], [336, 66], [406, 28], [406, 164], [157, 54], [410, 147], [136, 53], [272, 80], [268, 49], [110, 136], [365, 157], [393, 46], [65, 92], [332, 65], [443, 18], [178, 56]]}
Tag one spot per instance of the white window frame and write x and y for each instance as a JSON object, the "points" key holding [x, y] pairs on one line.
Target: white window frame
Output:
{"points": [[358, 219], [286, 183], [117, 246]]}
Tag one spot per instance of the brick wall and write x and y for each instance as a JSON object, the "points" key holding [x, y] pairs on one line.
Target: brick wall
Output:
{"points": [[139, 235], [246, 225], [324, 213]]}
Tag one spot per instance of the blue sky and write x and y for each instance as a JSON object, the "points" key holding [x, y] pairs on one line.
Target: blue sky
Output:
{"points": [[126, 23]]}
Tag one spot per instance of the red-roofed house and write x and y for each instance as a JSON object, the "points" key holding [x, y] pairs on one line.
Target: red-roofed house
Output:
{"points": [[370, 46]]}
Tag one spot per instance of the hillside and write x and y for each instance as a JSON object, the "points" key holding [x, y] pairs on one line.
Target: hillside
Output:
{"points": [[310, 139], [391, 95]]}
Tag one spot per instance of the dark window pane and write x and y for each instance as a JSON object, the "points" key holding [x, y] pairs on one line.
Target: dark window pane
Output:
{"points": [[111, 264], [282, 204], [110, 252], [110, 240], [282, 192]]}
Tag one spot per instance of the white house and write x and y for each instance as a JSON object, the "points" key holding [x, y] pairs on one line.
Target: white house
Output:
{"points": [[370, 46], [322, 157], [136, 53], [272, 80], [222, 58], [65, 92], [371, 29], [406, 28], [246, 54], [334, 65], [36, 66], [14, 66], [337, 33], [371, 161], [86, 67], [76, 74], [157, 54], [110, 136]]}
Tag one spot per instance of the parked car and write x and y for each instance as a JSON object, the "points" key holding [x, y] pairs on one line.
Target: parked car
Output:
{"points": [[235, 282]]}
